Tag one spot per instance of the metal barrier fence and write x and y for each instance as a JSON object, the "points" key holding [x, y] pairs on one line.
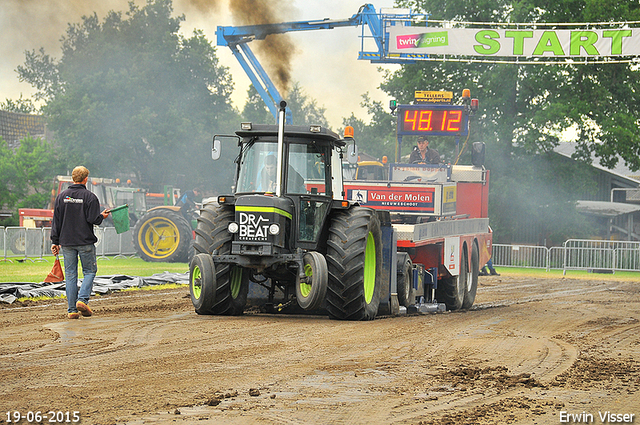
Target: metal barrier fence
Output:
{"points": [[33, 244], [574, 254], [607, 255]]}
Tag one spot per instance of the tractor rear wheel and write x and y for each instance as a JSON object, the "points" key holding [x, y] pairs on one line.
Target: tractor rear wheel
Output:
{"points": [[232, 281], [162, 235], [354, 262]]}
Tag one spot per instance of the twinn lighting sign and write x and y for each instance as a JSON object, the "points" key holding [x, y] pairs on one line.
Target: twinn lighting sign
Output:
{"points": [[579, 43]]}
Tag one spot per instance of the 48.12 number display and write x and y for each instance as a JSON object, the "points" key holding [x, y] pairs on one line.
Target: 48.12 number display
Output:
{"points": [[436, 120]]}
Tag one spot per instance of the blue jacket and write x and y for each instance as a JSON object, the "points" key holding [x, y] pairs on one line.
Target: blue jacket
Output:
{"points": [[75, 212]]}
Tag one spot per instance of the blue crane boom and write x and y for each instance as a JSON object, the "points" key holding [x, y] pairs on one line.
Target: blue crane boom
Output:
{"points": [[237, 38]]}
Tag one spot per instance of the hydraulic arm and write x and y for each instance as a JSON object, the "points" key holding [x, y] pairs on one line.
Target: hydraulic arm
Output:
{"points": [[237, 38]]}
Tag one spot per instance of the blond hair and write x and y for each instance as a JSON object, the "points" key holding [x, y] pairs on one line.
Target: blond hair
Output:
{"points": [[79, 174]]}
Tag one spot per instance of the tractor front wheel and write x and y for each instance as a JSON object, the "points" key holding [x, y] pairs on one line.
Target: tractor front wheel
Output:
{"points": [[202, 283], [311, 291], [232, 281]]}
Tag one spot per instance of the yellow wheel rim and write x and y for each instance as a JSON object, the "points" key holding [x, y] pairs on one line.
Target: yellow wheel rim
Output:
{"points": [[159, 238]]}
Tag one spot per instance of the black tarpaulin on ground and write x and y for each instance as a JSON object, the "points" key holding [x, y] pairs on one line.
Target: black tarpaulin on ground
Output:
{"points": [[9, 292]]}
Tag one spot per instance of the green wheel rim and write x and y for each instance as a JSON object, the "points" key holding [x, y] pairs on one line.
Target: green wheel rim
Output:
{"points": [[196, 282], [305, 288], [236, 281], [369, 268]]}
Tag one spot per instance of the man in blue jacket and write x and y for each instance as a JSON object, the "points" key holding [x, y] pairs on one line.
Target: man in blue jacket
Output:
{"points": [[75, 212]]}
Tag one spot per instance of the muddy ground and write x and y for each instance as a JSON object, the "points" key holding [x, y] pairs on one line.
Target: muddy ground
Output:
{"points": [[531, 351]]}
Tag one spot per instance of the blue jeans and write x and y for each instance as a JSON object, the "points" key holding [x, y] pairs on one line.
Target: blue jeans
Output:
{"points": [[87, 254]]}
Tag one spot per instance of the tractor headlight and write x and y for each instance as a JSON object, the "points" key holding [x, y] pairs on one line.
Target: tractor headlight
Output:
{"points": [[274, 229], [233, 227]]}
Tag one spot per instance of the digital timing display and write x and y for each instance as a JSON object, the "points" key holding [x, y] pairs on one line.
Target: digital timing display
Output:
{"points": [[432, 120]]}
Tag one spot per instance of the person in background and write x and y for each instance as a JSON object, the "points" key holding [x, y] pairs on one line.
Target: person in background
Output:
{"points": [[187, 202], [75, 212], [423, 154], [491, 271]]}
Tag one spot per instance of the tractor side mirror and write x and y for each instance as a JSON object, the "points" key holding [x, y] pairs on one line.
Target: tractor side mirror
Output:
{"points": [[352, 154], [215, 149]]}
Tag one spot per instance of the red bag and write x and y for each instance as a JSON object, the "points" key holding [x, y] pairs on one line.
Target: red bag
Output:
{"points": [[56, 274]]}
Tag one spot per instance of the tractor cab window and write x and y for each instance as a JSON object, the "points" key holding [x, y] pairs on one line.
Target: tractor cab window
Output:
{"points": [[306, 172], [307, 169], [257, 167]]}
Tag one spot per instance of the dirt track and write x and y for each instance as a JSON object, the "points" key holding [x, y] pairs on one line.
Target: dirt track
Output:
{"points": [[531, 351]]}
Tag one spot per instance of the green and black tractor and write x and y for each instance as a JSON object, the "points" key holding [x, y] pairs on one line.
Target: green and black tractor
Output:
{"points": [[288, 229]]}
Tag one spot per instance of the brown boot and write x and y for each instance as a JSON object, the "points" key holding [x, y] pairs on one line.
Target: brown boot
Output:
{"points": [[84, 309]]}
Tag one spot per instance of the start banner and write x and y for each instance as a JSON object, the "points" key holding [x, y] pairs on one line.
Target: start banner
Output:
{"points": [[559, 43]]}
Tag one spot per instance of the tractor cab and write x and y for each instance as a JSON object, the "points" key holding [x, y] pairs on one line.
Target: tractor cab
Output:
{"points": [[283, 197]]}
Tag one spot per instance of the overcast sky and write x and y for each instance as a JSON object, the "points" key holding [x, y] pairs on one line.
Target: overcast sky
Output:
{"points": [[325, 62]]}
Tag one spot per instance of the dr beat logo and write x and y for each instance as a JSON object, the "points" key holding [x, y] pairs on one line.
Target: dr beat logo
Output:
{"points": [[251, 226]]}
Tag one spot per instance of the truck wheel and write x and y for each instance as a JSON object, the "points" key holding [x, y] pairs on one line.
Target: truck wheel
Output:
{"points": [[162, 235], [354, 262], [451, 290], [202, 283], [472, 279], [312, 292], [232, 281], [405, 280]]}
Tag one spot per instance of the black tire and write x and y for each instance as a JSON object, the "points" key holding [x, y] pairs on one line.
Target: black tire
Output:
{"points": [[212, 223], [405, 280], [202, 283], [232, 281], [310, 294], [472, 279], [23, 240], [233, 287], [18, 242], [451, 290], [191, 252], [354, 262], [162, 235]]}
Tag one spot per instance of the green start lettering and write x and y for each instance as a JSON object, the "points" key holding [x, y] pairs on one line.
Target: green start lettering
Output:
{"points": [[518, 40], [580, 40], [616, 39], [549, 43], [583, 40], [489, 45]]}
